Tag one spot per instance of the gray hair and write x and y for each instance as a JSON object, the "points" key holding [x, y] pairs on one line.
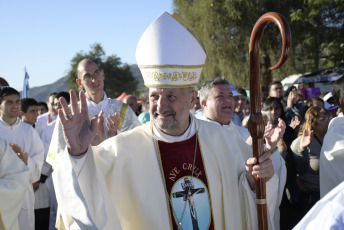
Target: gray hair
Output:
{"points": [[205, 90]]}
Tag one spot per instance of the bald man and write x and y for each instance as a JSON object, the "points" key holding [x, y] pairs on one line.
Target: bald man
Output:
{"points": [[115, 115], [131, 100]]}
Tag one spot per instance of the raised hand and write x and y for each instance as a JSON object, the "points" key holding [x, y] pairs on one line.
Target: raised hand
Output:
{"points": [[292, 98], [49, 119], [273, 135], [78, 131], [112, 123], [295, 122], [306, 139], [16, 148], [100, 131]]}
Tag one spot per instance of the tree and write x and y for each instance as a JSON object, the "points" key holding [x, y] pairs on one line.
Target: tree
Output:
{"points": [[118, 77], [225, 27], [322, 24]]}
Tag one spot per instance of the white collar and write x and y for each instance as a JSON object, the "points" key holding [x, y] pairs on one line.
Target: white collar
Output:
{"points": [[167, 138], [204, 118], [6, 124], [103, 104]]}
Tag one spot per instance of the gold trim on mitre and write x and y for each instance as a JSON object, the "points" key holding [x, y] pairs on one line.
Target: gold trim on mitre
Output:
{"points": [[171, 77], [169, 54], [171, 86]]}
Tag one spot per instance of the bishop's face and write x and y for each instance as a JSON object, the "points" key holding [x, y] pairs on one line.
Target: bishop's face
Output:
{"points": [[220, 104], [169, 109]]}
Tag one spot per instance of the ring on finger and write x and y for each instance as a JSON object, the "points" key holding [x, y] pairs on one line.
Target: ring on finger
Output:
{"points": [[69, 116]]}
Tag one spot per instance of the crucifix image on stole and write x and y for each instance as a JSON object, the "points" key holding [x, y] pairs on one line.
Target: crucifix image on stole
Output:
{"points": [[187, 194]]}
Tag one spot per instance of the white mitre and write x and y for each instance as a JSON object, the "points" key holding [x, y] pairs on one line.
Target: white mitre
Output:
{"points": [[168, 55]]}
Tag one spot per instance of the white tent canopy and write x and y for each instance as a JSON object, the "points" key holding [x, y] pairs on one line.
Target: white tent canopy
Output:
{"points": [[291, 79]]}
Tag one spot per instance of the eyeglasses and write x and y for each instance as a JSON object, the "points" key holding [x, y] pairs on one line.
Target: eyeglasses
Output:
{"points": [[277, 88], [97, 74]]}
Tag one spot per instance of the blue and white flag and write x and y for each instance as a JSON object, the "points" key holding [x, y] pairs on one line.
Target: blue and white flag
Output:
{"points": [[26, 87]]}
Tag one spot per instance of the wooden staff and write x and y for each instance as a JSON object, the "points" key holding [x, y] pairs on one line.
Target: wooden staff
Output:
{"points": [[257, 124]]}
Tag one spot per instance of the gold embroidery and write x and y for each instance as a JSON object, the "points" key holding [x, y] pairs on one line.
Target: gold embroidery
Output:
{"points": [[52, 156], [173, 174], [164, 181], [170, 86], [206, 175], [122, 115], [175, 76], [2, 224]]}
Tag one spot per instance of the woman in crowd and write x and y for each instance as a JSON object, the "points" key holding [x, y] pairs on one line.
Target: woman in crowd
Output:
{"points": [[306, 148], [289, 215]]}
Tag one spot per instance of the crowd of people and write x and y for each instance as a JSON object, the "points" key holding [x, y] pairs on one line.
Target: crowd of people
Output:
{"points": [[103, 164]]}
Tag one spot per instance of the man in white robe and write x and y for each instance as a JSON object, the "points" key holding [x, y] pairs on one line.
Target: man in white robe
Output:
{"points": [[117, 115], [122, 183], [216, 98], [24, 141], [48, 117], [29, 113], [47, 168], [332, 151], [14, 181]]}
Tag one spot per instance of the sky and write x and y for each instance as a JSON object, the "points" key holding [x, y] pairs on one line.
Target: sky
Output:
{"points": [[44, 36]]}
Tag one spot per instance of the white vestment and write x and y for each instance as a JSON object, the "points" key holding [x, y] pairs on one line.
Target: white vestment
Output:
{"points": [[27, 138], [277, 161], [14, 181], [47, 170], [109, 107], [332, 157], [118, 184], [42, 194], [42, 122], [327, 213]]}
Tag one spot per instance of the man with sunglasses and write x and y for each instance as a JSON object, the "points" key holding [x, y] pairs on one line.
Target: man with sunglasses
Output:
{"points": [[113, 114]]}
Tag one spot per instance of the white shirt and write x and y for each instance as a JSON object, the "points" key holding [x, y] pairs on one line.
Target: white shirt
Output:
{"points": [[14, 181], [331, 171], [27, 138], [42, 122], [327, 213]]}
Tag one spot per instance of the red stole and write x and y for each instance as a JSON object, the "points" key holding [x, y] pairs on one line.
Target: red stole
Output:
{"points": [[193, 210]]}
